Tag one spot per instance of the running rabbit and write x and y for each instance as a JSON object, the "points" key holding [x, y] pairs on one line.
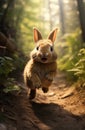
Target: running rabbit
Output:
{"points": [[41, 68]]}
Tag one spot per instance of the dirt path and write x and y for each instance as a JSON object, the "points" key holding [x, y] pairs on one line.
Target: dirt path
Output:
{"points": [[60, 109]]}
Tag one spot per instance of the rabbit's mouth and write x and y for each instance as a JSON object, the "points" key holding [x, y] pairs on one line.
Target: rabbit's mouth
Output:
{"points": [[44, 59]]}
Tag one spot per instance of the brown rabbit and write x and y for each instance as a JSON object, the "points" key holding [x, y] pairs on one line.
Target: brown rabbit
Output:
{"points": [[41, 68]]}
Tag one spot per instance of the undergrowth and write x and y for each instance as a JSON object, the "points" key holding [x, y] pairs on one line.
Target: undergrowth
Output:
{"points": [[72, 57], [7, 81]]}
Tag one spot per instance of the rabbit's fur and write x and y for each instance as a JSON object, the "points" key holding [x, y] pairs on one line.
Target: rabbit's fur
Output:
{"points": [[41, 68]]}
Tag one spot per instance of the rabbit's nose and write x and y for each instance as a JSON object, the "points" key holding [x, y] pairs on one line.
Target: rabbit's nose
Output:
{"points": [[43, 55], [46, 54]]}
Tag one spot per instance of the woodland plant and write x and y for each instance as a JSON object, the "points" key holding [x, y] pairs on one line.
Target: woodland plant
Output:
{"points": [[79, 67], [73, 60], [6, 68]]}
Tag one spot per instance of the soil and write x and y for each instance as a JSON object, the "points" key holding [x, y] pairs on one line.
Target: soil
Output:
{"points": [[62, 108]]}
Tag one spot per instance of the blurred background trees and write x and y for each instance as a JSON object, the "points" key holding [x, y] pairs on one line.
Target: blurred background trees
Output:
{"points": [[17, 19]]}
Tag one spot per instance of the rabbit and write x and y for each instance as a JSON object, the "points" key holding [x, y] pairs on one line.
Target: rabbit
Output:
{"points": [[41, 68]]}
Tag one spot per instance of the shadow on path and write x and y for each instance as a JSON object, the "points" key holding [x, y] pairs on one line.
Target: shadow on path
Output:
{"points": [[40, 114], [56, 117]]}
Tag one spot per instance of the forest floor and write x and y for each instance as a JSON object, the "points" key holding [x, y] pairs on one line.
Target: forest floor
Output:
{"points": [[62, 108]]}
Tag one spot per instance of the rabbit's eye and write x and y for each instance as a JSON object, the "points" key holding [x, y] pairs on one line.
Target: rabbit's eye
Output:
{"points": [[37, 48], [51, 48]]}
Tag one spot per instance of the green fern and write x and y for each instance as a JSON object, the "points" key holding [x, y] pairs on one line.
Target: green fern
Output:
{"points": [[79, 68], [6, 66]]}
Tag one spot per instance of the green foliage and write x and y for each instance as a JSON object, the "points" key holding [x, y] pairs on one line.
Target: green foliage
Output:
{"points": [[69, 59], [79, 67], [6, 66], [11, 87]]}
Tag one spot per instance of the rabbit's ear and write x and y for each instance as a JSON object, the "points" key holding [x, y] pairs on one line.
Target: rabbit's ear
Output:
{"points": [[52, 35], [37, 35]]}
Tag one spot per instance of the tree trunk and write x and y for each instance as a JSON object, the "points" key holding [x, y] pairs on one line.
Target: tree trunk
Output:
{"points": [[81, 10], [62, 21], [3, 24], [50, 15]]}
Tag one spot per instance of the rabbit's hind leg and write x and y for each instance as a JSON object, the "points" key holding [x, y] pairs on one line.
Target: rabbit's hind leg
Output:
{"points": [[45, 90], [32, 94], [46, 84]]}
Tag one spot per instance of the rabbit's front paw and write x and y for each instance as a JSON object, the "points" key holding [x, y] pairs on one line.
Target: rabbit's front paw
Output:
{"points": [[37, 84], [36, 81], [49, 77]]}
